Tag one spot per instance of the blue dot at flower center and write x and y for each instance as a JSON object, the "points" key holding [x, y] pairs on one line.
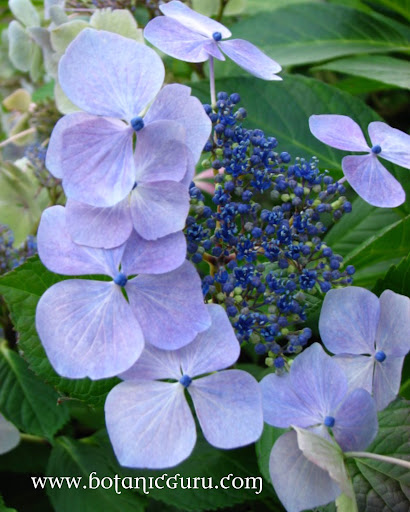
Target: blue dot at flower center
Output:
{"points": [[376, 149], [329, 421], [380, 356], [137, 123], [120, 279], [217, 36], [185, 380]]}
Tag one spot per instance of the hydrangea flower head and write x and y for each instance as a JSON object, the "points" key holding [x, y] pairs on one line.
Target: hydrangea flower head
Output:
{"points": [[149, 421], [369, 336], [315, 396], [193, 37], [89, 328], [9, 435], [368, 177]]}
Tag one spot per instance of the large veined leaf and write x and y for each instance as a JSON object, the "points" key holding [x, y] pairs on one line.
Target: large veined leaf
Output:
{"points": [[77, 461], [397, 279], [25, 400], [21, 290], [372, 239], [379, 485], [385, 69], [400, 6], [376, 254], [212, 465], [314, 32]]}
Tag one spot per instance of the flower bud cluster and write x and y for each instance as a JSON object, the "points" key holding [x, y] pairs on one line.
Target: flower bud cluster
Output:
{"points": [[11, 256], [261, 234]]}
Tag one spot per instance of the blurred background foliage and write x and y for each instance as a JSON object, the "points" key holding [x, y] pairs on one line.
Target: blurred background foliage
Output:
{"points": [[338, 56]]}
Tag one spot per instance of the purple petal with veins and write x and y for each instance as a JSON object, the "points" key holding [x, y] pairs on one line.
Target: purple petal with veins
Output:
{"points": [[193, 20], [394, 144], [87, 329], [169, 324], [60, 254], [348, 320], [339, 132], [150, 424], [372, 181], [159, 209], [99, 227], [107, 74], [250, 58], [228, 407]]}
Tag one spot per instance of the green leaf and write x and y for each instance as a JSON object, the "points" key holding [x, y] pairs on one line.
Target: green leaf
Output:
{"points": [[206, 462], [356, 85], [43, 93], [25, 12], [373, 256], [78, 459], [4, 508], [389, 70], [20, 206], [62, 35], [314, 32], [20, 46], [378, 485], [19, 100], [22, 290], [256, 6], [402, 7], [27, 401], [119, 21], [211, 7], [264, 447], [397, 279], [372, 239]]}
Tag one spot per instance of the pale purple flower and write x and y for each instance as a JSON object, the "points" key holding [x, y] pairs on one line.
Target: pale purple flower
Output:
{"points": [[367, 176], [149, 421], [9, 435], [314, 395], [369, 336], [193, 37], [88, 328], [113, 79]]}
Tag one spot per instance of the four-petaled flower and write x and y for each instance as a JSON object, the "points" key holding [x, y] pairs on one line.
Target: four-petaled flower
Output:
{"points": [[148, 418], [88, 328], [368, 177], [192, 37], [92, 151], [369, 336], [314, 395]]}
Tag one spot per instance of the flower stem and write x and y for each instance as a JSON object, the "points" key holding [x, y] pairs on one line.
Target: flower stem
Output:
{"points": [[381, 458], [342, 180], [17, 136], [212, 80]]}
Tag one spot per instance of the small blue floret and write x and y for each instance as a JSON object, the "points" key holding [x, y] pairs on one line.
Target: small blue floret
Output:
{"points": [[185, 380], [120, 279], [380, 356], [217, 36], [376, 149], [137, 123], [329, 421]]}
